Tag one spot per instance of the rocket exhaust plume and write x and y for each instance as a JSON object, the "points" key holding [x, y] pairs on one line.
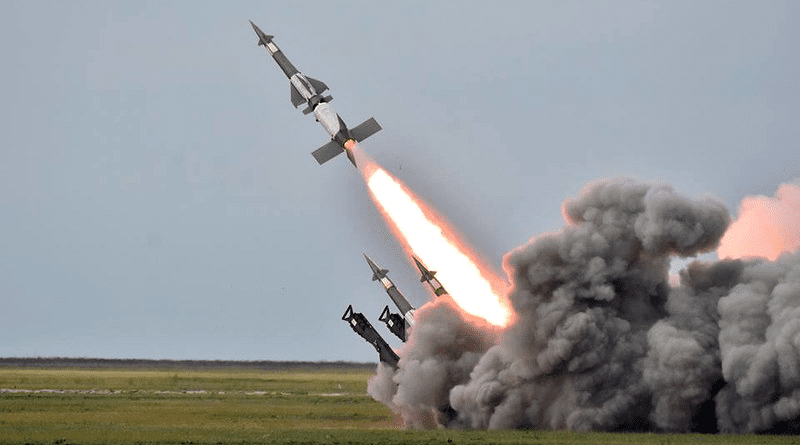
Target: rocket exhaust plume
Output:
{"points": [[423, 233], [599, 340]]}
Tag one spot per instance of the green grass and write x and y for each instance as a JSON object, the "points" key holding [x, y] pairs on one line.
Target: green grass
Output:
{"points": [[242, 406], [294, 382]]}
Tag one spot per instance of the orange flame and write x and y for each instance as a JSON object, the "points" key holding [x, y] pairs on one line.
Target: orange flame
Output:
{"points": [[766, 227], [473, 286]]}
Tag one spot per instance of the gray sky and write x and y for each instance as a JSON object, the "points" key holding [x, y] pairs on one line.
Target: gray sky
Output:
{"points": [[158, 198]]}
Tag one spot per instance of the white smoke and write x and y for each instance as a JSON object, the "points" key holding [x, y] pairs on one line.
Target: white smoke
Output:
{"points": [[602, 341]]}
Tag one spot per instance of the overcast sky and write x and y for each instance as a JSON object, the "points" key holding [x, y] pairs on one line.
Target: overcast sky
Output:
{"points": [[158, 198]]}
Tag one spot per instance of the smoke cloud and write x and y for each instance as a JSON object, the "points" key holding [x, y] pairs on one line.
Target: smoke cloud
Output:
{"points": [[602, 341]]}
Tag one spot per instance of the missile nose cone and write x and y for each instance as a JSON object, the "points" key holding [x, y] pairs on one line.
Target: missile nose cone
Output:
{"points": [[426, 274], [419, 265], [372, 265], [421, 269], [377, 272], [263, 38]]}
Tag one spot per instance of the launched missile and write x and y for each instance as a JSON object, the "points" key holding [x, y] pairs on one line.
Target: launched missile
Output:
{"points": [[359, 323], [399, 324], [307, 90], [428, 276]]}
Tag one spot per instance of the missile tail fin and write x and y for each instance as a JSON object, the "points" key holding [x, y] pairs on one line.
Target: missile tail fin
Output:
{"points": [[327, 152], [318, 85], [365, 129], [296, 97]]}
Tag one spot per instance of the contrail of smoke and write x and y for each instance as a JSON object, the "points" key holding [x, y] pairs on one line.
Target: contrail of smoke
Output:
{"points": [[601, 341]]}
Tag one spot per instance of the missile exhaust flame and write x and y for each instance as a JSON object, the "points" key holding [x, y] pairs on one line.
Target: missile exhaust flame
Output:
{"points": [[473, 286], [767, 227]]}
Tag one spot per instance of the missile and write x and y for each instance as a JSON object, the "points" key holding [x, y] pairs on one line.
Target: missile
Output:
{"points": [[306, 90], [399, 324], [428, 276], [361, 326]]}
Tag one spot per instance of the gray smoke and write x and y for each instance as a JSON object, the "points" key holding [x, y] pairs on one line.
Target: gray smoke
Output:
{"points": [[603, 342], [759, 342]]}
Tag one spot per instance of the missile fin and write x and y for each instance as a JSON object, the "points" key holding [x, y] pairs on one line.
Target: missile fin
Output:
{"points": [[318, 85], [327, 152], [365, 129], [378, 275], [296, 97]]}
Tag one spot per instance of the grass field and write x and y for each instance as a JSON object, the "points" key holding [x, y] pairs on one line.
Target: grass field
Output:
{"points": [[60, 406]]}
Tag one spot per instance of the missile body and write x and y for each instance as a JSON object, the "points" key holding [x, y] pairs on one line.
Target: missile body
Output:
{"points": [[429, 277], [307, 90], [361, 326]]}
